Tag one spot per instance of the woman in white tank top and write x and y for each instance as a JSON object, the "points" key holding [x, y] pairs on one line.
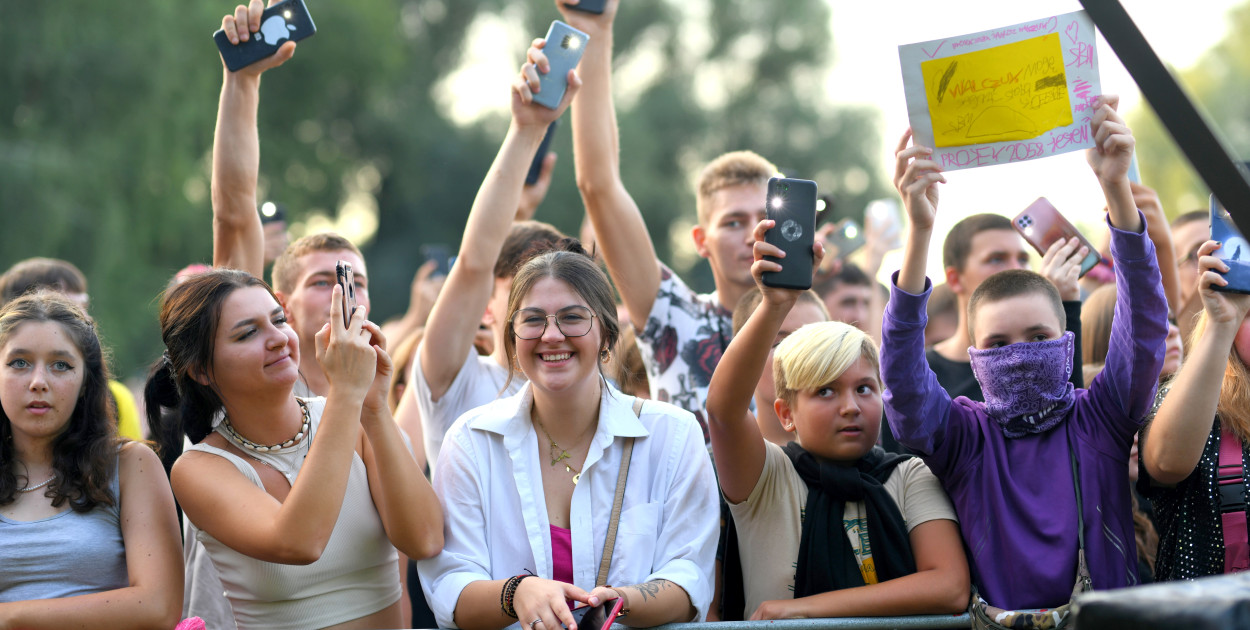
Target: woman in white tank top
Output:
{"points": [[88, 534], [299, 502]]}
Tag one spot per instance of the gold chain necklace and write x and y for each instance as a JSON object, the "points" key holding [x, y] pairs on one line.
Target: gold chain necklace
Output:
{"points": [[557, 453]]}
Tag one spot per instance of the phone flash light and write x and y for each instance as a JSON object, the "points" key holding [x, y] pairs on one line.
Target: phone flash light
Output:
{"points": [[777, 202], [287, 14], [851, 231], [571, 42], [1028, 231], [820, 205], [268, 209]]}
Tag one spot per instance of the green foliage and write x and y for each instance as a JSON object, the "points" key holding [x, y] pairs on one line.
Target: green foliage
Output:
{"points": [[107, 113], [1216, 84]]}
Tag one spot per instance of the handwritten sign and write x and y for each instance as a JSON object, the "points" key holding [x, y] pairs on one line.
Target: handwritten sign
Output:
{"points": [[1005, 95]]}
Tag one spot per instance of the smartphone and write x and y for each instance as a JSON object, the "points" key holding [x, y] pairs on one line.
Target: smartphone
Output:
{"points": [[1041, 225], [1134, 171], [1234, 250], [441, 254], [792, 204], [844, 240], [347, 281], [536, 167], [286, 20], [589, 6], [271, 212], [598, 617], [564, 48]]}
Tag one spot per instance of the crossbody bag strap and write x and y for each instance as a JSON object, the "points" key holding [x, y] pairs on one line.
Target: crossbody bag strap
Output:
{"points": [[609, 542], [1231, 486], [1083, 580]]}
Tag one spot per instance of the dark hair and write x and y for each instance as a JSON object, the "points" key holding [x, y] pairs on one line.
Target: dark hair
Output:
{"points": [[286, 270], [958, 243], [570, 264], [1191, 217], [525, 240], [190, 315], [849, 274], [752, 298], [41, 273], [84, 455], [1011, 283]]}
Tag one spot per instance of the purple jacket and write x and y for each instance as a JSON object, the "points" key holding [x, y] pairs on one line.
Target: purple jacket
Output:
{"points": [[1015, 497]]}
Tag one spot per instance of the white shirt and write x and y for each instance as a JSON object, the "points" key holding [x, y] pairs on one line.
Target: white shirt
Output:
{"points": [[477, 383], [490, 486]]}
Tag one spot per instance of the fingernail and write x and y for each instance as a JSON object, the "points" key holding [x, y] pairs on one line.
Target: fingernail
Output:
{"points": [[594, 601]]}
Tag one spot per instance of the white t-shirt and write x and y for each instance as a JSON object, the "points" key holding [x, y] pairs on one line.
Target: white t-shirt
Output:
{"points": [[478, 382], [770, 522]]}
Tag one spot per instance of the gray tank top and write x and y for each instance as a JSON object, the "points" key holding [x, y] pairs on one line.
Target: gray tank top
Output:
{"points": [[65, 555]]}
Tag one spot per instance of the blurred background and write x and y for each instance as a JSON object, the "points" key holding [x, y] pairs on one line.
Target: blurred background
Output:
{"points": [[383, 125]]}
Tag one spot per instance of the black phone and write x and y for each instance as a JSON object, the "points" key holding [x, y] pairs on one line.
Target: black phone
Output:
{"points": [[598, 617], [792, 204], [536, 167], [288, 19], [347, 281], [271, 212], [441, 254], [1234, 250], [589, 6], [844, 240]]}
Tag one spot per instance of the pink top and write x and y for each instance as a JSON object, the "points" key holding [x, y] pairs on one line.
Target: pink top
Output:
{"points": [[561, 554], [1236, 546]]}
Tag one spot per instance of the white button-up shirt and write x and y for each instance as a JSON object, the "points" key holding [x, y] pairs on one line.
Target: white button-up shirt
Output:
{"points": [[489, 482]]}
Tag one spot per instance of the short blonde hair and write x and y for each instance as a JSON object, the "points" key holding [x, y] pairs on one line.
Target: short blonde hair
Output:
{"points": [[731, 169], [819, 353]]}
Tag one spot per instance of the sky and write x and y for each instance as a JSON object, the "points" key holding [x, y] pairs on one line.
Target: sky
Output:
{"points": [[868, 58]]}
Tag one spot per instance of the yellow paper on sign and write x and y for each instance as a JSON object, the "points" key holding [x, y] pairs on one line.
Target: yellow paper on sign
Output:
{"points": [[1011, 92]]}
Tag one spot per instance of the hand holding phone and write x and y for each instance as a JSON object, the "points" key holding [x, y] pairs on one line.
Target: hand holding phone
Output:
{"points": [[563, 49], [845, 238], [1233, 250], [792, 205], [589, 6], [598, 617], [243, 44], [346, 281], [1041, 225]]}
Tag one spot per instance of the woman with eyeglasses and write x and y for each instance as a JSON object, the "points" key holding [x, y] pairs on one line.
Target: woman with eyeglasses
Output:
{"points": [[528, 483]]}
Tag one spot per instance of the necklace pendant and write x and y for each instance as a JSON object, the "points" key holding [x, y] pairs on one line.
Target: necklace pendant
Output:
{"points": [[577, 478]]}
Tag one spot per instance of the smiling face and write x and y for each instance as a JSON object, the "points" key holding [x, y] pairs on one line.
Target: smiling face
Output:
{"points": [[728, 234], [41, 380], [308, 302], [1020, 318], [840, 420], [254, 348], [555, 362]]}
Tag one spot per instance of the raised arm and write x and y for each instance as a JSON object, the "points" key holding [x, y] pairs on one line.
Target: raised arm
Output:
{"points": [[620, 231], [454, 319], [295, 530], [238, 237], [149, 524], [1110, 158], [1173, 442], [737, 444], [410, 513]]}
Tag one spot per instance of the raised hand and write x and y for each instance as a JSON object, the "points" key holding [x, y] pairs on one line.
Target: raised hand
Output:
{"points": [[346, 353], [916, 178], [240, 26], [1113, 141], [590, 23], [1062, 266], [1222, 307], [776, 295], [524, 111]]}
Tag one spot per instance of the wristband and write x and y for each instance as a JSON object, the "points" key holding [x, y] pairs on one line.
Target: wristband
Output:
{"points": [[508, 593]]}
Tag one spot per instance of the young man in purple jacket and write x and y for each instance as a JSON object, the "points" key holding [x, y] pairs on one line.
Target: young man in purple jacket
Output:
{"points": [[1006, 462]]}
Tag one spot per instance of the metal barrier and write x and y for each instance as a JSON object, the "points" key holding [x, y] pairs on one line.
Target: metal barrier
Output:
{"points": [[915, 622]]}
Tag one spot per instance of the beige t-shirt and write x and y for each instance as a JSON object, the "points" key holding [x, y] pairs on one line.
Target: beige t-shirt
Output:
{"points": [[770, 522]]}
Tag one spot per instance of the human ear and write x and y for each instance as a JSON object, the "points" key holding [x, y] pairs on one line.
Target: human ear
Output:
{"points": [[699, 234], [952, 280], [784, 414]]}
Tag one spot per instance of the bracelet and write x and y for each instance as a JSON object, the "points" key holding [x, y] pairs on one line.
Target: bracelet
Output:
{"points": [[625, 606], [509, 592]]}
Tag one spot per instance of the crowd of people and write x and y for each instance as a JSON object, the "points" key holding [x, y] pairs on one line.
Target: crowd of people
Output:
{"points": [[559, 422]]}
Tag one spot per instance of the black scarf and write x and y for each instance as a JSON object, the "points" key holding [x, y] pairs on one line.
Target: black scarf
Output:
{"points": [[826, 560]]}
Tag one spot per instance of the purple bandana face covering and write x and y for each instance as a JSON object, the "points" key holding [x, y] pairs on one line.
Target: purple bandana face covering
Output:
{"points": [[1026, 384]]}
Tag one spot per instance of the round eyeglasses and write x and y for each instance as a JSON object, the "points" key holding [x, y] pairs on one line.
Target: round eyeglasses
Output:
{"points": [[572, 321]]}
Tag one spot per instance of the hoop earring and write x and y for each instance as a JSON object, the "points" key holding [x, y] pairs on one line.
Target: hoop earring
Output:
{"points": [[605, 355]]}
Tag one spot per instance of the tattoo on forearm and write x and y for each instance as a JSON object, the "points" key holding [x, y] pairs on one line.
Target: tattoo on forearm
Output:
{"points": [[651, 590]]}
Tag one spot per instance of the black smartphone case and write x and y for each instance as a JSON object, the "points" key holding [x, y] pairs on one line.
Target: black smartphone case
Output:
{"points": [[536, 167], [589, 6], [280, 22], [792, 204], [1234, 250]]}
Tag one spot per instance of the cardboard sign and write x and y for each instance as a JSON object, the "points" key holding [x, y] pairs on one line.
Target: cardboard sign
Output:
{"points": [[1005, 95]]}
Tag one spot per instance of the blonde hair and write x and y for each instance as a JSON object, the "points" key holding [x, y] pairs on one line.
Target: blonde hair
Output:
{"points": [[736, 168], [817, 354], [1234, 404]]}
